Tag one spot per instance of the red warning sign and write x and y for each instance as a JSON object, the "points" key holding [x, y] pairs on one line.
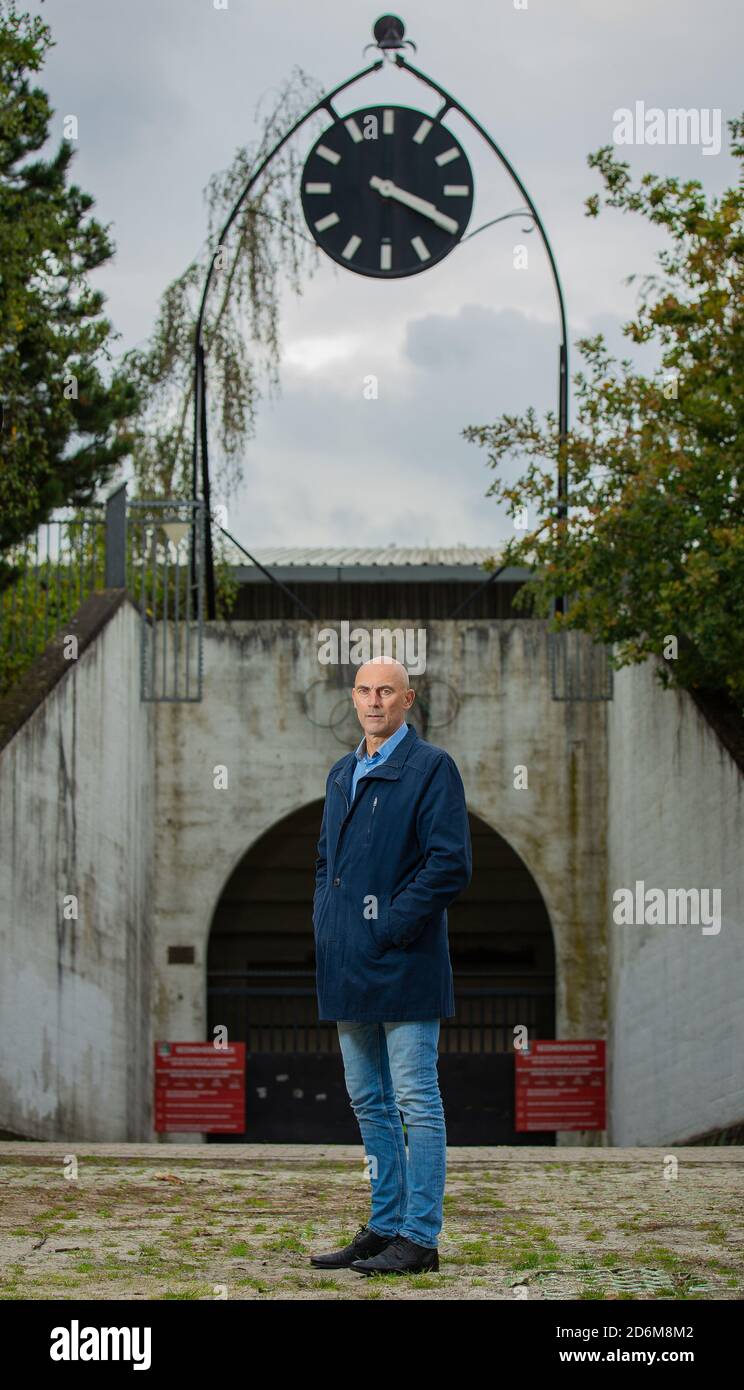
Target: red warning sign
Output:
{"points": [[200, 1087], [560, 1085]]}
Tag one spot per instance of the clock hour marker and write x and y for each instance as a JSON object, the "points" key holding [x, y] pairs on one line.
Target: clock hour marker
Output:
{"points": [[330, 155], [422, 132], [420, 248], [322, 188], [456, 190], [386, 255], [388, 122], [329, 221], [353, 130], [447, 155], [351, 247]]}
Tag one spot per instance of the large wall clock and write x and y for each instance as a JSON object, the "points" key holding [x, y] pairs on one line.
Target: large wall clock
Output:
{"points": [[387, 191]]}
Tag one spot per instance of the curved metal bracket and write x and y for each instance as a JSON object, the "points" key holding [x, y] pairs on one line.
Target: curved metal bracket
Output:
{"points": [[388, 33], [451, 103], [518, 212], [200, 443]]}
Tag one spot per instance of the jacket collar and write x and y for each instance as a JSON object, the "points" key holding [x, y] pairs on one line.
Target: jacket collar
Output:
{"points": [[389, 770]]}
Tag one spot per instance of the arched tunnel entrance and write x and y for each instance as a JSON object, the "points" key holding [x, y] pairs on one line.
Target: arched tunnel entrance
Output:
{"points": [[261, 986]]}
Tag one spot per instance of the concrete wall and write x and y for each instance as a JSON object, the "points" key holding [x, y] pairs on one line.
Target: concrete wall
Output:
{"points": [[76, 817], [266, 701], [676, 821], [119, 803]]}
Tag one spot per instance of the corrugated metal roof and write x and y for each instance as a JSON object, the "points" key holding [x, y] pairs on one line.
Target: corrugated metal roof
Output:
{"points": [[330, 556]]}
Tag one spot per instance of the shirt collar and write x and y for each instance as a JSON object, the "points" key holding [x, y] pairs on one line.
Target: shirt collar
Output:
{"points": [[385, 748]]}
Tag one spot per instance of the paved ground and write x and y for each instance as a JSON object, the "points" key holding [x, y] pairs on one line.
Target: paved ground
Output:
{"points": [[157, 1221]]}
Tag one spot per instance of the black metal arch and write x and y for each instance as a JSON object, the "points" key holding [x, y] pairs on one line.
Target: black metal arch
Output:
{"points": [[388, 35]]}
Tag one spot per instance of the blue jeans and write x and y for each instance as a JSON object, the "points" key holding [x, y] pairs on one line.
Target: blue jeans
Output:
{"points": [[388, 1068]]}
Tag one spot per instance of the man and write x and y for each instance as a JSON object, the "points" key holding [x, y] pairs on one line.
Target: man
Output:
{"points": [[394, 851]]}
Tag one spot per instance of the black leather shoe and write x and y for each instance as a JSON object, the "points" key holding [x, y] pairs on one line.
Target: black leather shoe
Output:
{"points": [[400, 1256], [365, 1242]]}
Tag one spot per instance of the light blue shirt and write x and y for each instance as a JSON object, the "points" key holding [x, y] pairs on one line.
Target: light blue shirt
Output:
{"points": [[365, 763]]}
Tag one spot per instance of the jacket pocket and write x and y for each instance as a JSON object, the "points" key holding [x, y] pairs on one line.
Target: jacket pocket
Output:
{"points": [[380, 929]]}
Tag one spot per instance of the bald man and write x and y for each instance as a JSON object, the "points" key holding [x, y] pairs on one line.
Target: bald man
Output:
{"points": [[394, 852]]}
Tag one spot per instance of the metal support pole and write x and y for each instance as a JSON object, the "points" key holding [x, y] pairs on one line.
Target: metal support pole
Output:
{"points": [[208, 553], [116, 539]]}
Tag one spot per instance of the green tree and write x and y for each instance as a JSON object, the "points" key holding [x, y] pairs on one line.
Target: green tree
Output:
{"points": [[63, 430], [653, 546]]}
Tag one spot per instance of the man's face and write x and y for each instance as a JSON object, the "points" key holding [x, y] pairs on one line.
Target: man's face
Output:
{"points": [[381, 699]]}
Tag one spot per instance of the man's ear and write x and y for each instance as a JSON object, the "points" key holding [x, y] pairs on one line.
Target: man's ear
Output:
{"points": [[412, 694]]}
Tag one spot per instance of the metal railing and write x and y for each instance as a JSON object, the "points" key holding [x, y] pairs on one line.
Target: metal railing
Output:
{"points": [[44, 579], [579, 667], [164, 573], [280, 1015], [154, 548]]}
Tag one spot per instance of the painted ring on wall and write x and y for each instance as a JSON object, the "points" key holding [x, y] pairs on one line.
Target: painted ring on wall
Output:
{"points": [[437, 704]]}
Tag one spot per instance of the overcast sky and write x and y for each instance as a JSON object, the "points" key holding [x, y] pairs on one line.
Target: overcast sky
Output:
{"points": [[165, 91]]}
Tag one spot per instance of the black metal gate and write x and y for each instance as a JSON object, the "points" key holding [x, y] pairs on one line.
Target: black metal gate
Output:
{"points": [[295, 1089]]}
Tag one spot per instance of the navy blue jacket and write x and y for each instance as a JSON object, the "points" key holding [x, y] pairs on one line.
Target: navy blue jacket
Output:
{"points": [[389, 864]]}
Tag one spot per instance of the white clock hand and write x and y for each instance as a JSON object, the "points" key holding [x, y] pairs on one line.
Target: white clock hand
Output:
{"points": [[388, 189]]}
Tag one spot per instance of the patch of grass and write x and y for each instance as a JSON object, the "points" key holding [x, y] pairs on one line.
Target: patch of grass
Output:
{"points": [[527, 1258], [473, 1252], [286, 1242], [656, 1255]]}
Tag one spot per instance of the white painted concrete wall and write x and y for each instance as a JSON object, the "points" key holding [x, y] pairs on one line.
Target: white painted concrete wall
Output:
{"points": [[252, 721], [676, 820], [76, 817]]}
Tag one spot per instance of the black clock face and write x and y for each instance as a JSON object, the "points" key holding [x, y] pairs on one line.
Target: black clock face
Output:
{"points": [[387, 191]]}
